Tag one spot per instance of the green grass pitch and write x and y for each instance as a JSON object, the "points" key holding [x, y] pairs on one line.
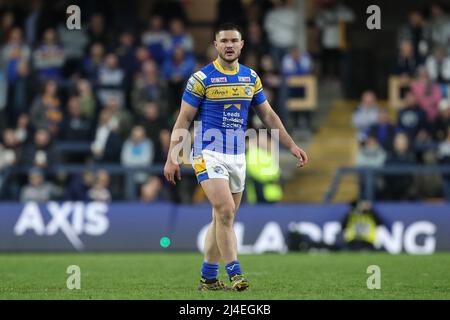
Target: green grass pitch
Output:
{"points": [[175, 275]]}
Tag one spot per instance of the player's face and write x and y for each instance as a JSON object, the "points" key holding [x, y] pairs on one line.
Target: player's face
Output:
{"points": [[229, 44]]}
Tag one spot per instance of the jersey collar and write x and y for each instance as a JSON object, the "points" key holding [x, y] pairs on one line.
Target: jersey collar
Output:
{"points": [[221, 69]]}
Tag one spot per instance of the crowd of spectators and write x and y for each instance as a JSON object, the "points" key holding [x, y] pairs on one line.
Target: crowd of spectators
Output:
{"points": [[419, 132], [108, 94]]}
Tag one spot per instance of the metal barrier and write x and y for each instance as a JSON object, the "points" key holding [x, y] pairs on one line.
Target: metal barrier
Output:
{"points": [[117, 169], [369, 174]]}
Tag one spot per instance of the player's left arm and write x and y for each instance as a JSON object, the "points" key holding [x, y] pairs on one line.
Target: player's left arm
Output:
{"points": [[272, 121]]}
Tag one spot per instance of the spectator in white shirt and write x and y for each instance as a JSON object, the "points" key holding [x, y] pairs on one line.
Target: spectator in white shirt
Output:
{"points": [[438, 66], [282, 27], [100, 190], [38, 189], [138, 151], [366, 114]]}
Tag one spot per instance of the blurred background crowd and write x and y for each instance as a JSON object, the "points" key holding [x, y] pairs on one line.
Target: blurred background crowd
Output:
{"points": [[418, 131], [106, 96]]}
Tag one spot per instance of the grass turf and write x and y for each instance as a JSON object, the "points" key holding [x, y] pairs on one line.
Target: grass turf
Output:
{"points": [[174, 275]]}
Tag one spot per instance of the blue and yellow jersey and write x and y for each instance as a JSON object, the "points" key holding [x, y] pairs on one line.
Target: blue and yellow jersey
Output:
{"points": [[223, 98]]}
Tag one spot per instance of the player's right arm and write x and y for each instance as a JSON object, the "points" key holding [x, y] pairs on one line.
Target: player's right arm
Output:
{"points": [[179, 135], [192, 98]]}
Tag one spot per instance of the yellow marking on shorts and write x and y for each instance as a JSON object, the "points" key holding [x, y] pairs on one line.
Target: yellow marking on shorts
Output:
{"points": [[199, 165]]}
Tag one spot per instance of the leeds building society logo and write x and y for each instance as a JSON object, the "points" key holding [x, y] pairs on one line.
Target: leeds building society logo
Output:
{"points": [[236, 105], [71, 218]]}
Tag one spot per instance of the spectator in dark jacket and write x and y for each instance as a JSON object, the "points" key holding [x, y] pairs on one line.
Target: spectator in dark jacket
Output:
{"points": [[383, 130], [406, 62], [46, 110], [98, 31], [418, 32], [149, 87], [107, 144], [398, 187], [75, 127], [79, 185], [444, 159], [412, 118], [10, 149], [154, 124], [92, 63], [443, 120], [125, 52], [255, 43], [41, 153]]}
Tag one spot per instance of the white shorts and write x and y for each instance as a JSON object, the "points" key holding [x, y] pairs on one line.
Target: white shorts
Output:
{"points": [[211, 164]]}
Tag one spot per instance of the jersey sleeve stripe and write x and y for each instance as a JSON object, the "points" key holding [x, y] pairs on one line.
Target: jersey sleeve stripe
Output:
{"points": [[196, 94], [199, 80]]}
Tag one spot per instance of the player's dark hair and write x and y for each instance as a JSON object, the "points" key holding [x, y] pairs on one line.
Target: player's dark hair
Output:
{"points": [[226, 27]]}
